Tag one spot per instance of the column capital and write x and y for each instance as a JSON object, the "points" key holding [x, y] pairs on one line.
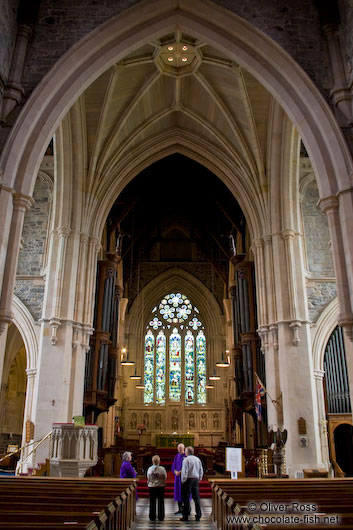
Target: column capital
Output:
{"points": [[25, 30], [63, 231], [22, 202], [31, 372], [258, 243], [330, 30], [329, 204], [319, 374], [289, 233]]}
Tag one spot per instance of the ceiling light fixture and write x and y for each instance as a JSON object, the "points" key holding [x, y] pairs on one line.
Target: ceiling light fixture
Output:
{"points": [[170, 59], [140, 387], [224, 362], [125, 359], [184, 59], [135, 376], [214, 377]]}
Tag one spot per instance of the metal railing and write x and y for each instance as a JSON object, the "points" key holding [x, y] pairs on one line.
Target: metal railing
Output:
{"points": [[33, 452]]}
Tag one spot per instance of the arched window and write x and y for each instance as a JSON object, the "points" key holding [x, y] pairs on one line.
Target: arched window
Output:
{"points": [[175, 353]]}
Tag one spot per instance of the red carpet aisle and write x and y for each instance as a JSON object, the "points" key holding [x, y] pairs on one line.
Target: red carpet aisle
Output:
{"points": [[142, 488]]}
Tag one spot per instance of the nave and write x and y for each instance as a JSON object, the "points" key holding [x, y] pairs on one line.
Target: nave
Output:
{"points": [[171, 520]]}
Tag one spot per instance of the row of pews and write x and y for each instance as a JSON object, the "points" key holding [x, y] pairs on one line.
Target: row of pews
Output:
{"points": [[282, 503], [51, 503]]}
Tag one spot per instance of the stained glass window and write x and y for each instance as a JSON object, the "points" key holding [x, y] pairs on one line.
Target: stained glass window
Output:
{"points": [[149, 368], [175, 366], [189, 368], [201, 367], [175, 353], [160, 368]]}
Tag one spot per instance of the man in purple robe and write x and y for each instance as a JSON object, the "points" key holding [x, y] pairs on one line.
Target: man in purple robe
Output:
{"points": [[176, 469]]}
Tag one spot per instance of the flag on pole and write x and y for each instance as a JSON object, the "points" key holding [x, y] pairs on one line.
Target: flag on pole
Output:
{"points": [[259, 392]]}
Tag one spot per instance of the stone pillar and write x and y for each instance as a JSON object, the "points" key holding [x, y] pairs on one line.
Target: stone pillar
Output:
{"points": [[20, 204], [3, 339], [14, 92], [341, 244], [340, 94], [319, 381], [295, 364]]}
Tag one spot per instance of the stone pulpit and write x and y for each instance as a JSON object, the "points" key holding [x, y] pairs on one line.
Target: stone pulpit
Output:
{"points": [[73, 450]]}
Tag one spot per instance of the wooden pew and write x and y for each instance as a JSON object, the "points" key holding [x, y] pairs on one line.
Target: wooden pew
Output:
{"points": [[330, 496], [45, 502]]}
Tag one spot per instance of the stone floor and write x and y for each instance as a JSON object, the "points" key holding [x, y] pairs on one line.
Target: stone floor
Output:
{"points": [[171, 520]]}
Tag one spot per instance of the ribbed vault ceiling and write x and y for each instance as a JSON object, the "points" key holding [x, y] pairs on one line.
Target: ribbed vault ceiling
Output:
{"points": [[140, 98]]}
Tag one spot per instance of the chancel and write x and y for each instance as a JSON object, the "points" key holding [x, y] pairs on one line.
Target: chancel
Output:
{"points": [[176, 254]]}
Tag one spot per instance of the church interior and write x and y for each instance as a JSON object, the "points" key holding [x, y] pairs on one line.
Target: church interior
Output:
{"points": [[176, 255]]}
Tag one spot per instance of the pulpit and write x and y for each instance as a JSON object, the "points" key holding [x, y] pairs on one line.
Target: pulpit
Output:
{"points": [[74, 449], [173, 440]]}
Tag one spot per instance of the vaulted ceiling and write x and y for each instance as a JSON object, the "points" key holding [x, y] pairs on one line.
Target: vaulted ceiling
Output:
{"points": [[177, 83]]}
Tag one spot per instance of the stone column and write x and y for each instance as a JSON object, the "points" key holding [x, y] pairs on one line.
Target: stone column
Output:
{"points": [[340, 94], [295, 364], [319, 381], [20, 204], [14, 91], [336, 219]]}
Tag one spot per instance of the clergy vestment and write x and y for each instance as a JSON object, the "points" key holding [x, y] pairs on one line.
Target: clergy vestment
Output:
{"points": [[177, 465]]}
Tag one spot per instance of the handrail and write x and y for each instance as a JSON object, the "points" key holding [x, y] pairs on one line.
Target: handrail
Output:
{"points": [[17, 450], [21, 463]]}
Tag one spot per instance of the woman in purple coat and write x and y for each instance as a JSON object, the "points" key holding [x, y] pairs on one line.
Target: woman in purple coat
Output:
{"points": [[126, 470], [176, 469]]}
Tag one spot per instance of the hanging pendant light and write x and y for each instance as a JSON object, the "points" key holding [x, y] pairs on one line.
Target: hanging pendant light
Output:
{"points": [[224, 362], [135, 376], [140, 387], [125, 359], [214, 377], [209, 385]]}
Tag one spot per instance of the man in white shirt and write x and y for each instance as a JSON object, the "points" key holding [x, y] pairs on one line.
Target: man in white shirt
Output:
{"points": [[191, 474]]}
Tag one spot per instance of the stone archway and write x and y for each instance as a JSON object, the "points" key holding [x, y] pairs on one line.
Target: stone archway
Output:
{"points": [[267, 61]]}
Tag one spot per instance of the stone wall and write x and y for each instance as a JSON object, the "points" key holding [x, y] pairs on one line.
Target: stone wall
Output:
{"points": [[150, 270], [320, 294], [321, 285], [8, 14], [295, 26], [30, 281], [317, 235], [31, 293]]}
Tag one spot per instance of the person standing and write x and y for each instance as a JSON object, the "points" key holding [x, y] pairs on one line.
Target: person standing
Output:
{"points": [[126, 469], [156, 477], [191, 474], [176, 470]]}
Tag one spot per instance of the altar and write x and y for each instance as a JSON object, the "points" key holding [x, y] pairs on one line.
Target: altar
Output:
{"points": [[173, 440]]}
